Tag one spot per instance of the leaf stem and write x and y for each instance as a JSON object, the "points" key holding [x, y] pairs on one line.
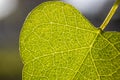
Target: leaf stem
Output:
{"points": [[110, 14]]}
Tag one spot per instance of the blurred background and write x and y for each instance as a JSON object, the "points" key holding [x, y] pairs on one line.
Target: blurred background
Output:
{"points": [[13, 14]]}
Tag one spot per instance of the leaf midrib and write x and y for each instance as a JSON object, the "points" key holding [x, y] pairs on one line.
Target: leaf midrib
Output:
{"points": [[89, 50]]}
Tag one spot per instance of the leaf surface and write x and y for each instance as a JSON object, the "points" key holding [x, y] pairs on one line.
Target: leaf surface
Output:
{"points": [[58, 43]]}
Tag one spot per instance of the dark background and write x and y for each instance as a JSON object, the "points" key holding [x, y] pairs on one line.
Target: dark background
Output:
{"points": [[10, 61]]}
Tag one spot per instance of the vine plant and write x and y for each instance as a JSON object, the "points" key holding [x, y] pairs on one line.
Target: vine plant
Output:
{"points": [[58, 43]]}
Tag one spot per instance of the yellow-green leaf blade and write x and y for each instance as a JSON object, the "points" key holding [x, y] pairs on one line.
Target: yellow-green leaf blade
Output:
{"points": [[58, 43]]}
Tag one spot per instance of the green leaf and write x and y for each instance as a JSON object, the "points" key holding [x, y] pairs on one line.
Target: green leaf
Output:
{"points": [[58, 43]]}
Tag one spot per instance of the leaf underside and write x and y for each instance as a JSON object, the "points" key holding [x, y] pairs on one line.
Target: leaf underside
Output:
{"points": [[58, 43]]}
